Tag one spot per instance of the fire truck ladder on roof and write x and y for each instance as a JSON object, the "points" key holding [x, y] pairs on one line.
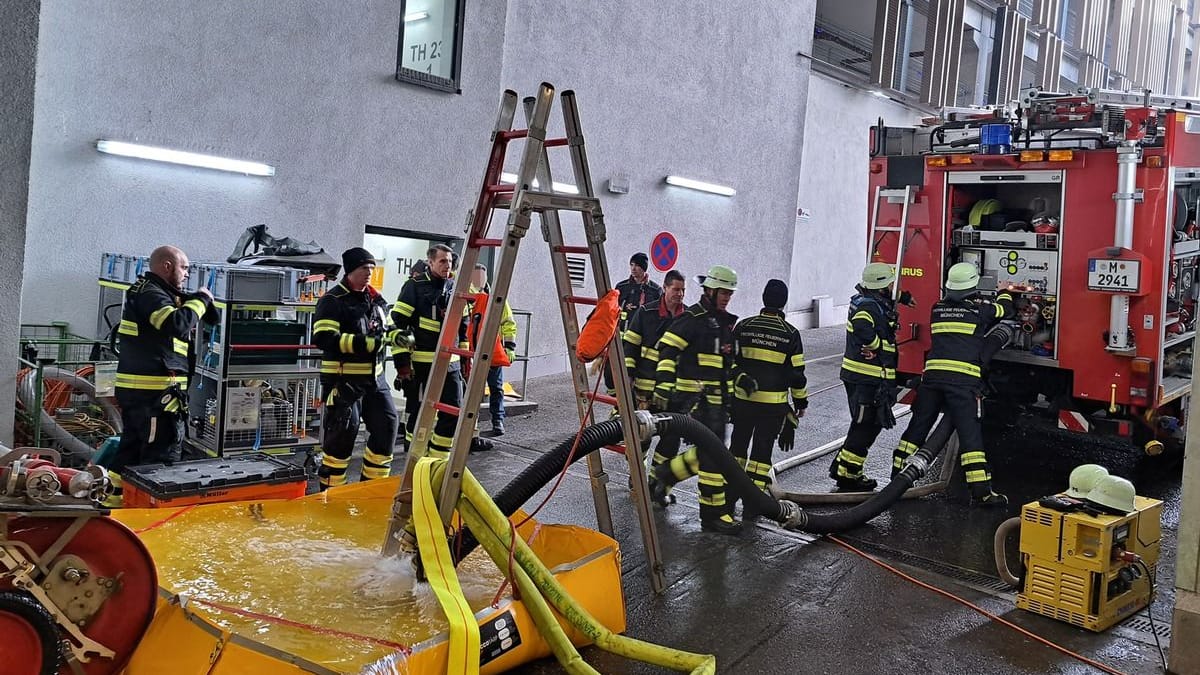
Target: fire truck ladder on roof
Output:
{"points": [[879, 232], [533, 192]]}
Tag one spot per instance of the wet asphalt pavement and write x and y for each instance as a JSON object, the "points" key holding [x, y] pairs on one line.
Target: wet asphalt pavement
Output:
{"points": [[770, 601]]}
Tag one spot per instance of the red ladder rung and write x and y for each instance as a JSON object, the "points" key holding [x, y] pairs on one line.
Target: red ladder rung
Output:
{"points": [[446, 408], [513, 133], [616, 448], [555, 142], [602, 398], [581, 300], [499, 188], [482, 243], [461, 352], [572, 249]]}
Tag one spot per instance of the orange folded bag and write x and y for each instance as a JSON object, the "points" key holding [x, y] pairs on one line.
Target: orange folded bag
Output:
{"points": [[600, 328]]}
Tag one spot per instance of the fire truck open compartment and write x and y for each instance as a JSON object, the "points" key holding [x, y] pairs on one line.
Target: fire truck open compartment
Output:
{"points": [[1086, 213]]}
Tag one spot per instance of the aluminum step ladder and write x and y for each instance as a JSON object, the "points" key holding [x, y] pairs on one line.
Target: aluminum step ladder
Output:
{"points": [[879, 232], [533, 192]]}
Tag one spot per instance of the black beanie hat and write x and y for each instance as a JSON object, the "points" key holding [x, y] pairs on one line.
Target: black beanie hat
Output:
{"points": [[775, 295], [355, 258], [641, 260]]}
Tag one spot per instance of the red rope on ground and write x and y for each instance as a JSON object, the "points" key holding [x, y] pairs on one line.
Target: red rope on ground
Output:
{"points": [[977, 608], [303, 626], [164, 521]]}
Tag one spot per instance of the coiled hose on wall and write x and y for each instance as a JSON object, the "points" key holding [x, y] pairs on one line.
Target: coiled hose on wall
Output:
{"points": [[539, 474], [71, 445]]}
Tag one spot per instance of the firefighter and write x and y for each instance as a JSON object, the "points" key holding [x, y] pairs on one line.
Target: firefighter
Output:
{"points": [[692, 377], [768, 370], [953, 382], [350, 327], [868, 373], [505, 352], [634, 292], [155, 361], [419, 312], [641, 335]]}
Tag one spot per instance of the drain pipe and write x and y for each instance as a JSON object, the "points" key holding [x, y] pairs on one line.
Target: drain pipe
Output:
{"points": [[1129, 154]]}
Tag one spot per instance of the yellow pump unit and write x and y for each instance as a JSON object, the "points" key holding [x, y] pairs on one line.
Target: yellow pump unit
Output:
{"points": [[1083, 568]]}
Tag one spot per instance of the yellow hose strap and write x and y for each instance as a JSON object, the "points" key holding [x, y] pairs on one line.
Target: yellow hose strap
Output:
{"points": [[463, 656]]}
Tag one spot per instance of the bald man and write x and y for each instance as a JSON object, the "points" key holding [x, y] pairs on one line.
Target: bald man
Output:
{"points": [[155, 338]]}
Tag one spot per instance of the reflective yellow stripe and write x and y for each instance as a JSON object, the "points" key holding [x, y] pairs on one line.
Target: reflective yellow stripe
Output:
{"points": [[962, 327], [716, 500], [666, 365], [346, 343], [797, 360], [377, 460], [197, 306], [708, 478], [429, 325], [633, 338], [128, 381], [128, 328], [643, 384], [650, 353], [179, 346], [864, 315], [710, 360], [422, 357], [868, 369], [690, 386], [889, 347], [326, 325], [765, 397], [375, 472], [402, 308], [440, 441], [801, 393], [333, 462], [333, 480], [159, 316], [976, 457], [977, 476], [673, 340], [630, 362], [874, 343], [768, 355], [340, 368], [953, 366]]}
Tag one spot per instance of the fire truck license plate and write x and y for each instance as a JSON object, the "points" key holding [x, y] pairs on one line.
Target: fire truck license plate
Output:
{"points": [[1114, 276]]}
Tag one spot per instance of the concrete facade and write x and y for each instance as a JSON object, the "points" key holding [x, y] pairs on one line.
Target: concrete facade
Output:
{"points": [[18, 57], [312, 93]]}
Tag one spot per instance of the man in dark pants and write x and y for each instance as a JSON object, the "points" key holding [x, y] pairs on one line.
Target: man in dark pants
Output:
{"points": [[155, 333], [419, 312], [632, 293], [953, 382], [350, 327], [869, 374], [693, 377], [768, 367]]}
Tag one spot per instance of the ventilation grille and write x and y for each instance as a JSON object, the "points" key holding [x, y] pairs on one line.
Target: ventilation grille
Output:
{"points": [[1058, 613], [1038, 516], [577, 269]]}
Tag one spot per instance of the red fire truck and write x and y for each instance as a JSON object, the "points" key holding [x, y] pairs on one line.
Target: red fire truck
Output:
{"points": [[1084, 206]]}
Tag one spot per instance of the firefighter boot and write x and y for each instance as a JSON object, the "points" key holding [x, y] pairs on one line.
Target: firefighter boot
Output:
{"points": [[982, 496], [859, 483], [723, 524], [660, 492]]}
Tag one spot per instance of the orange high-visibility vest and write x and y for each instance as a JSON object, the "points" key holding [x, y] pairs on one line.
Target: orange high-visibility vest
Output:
{"points": [[478, 312]]}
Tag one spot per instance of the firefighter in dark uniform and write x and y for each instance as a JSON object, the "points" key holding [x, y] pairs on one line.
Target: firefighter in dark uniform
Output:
{"points": [[155, 361], [768, 370], [953, 382], [632, 293], [693, 377], [350, 327], [419, 312], [642, 332], [868, 373]]}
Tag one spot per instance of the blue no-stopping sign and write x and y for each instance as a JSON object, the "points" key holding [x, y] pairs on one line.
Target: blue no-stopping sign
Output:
{"points": [[664, 251]]}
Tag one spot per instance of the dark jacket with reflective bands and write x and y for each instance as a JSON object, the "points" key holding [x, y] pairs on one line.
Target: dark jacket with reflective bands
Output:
{"points": [[640, 342], [957, 329], [769, 349], [695, 355], [351, 329], [154, 334], [632, 295], [871, 324], [419, 312]]}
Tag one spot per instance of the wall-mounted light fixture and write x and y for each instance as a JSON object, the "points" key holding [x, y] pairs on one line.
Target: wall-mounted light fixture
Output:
{"points": [[415, 16], [680, 181], [507, 177], [187, 158]]}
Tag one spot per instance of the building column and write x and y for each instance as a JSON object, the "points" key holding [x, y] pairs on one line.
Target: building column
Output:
{"points": [[18, 56], [1185, 621]]}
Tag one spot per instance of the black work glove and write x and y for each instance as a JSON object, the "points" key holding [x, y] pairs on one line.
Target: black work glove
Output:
{"points": [[787, 435], [744, 385], [906, 298]]}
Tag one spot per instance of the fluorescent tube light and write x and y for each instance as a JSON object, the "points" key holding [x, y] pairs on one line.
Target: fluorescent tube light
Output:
{"points": [[186, 158], [415, 16], [680, 181], [507, 177]]}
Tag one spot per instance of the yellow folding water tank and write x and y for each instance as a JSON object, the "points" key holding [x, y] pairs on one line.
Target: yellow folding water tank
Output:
{"points": [[298, 586]]}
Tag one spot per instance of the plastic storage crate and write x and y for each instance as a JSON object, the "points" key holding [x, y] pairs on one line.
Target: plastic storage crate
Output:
{"points": [[205, 481], [245, 284]]}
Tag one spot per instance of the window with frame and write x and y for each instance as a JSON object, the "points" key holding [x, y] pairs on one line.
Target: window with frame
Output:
{"points": [[429, 49]]}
